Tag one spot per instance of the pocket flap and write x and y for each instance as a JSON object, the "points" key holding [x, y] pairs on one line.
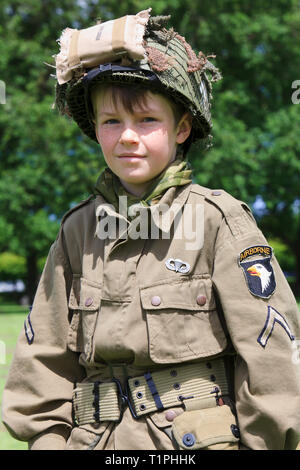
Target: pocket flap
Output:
{"points": [[85, 295], [186, 294], [159, 417], [207, 427]]}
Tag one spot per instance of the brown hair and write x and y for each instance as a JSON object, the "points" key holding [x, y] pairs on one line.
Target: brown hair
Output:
{"points": [[135, 96]]}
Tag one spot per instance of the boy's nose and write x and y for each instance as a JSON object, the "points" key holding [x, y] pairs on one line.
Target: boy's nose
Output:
{"points": [[129, 136]]}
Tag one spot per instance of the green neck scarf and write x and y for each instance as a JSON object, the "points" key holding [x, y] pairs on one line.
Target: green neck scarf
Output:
{"points": [[110, 187]]}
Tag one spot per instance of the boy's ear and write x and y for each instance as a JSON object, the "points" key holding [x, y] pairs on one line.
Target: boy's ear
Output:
{"points": [[184, 128]]}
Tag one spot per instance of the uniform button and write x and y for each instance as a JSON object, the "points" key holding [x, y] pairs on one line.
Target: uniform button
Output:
{"points": [[88, 302], [201, 300], [189, 439], [156, 300], [216, 193], [170, 415], [235, 430]]}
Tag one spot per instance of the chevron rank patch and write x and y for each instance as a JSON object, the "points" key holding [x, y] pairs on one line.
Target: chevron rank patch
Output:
{"points": [[29, 333], [273, 317], [256, 264]]}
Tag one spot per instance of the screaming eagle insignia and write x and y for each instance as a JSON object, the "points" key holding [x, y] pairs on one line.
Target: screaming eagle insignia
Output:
{"points": [[256, 264]]}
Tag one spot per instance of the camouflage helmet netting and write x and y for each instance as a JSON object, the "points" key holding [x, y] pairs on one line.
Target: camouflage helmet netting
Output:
{"points": [[182, 75]]}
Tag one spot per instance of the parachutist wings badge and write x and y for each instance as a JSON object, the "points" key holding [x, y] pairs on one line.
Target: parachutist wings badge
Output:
{"points": [[256, 264]]}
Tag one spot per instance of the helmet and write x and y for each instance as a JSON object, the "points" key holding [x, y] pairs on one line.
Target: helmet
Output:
{"points": [[135, 49]]}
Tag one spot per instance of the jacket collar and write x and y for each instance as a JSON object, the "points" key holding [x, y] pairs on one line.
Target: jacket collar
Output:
{"points": [[163, 213]]}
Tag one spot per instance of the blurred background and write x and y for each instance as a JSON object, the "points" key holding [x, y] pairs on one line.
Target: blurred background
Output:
{"points": [[47, 165]]}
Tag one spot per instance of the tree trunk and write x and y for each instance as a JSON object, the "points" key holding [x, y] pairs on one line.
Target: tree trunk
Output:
{"points": [[32, 275], [297, 255]]}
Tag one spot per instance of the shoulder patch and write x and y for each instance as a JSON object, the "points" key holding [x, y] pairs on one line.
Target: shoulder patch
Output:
{"points": [[255, 262], [29, 333], [273, 317]]}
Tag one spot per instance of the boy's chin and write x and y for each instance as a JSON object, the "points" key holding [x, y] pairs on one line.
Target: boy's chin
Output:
{"points": [[136, 186]]}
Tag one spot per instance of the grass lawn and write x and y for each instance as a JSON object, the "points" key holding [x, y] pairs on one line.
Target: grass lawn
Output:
{"points": [[11, 323]]}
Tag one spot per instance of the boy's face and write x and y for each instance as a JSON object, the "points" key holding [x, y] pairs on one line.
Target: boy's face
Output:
{"points": [[138, 146]]}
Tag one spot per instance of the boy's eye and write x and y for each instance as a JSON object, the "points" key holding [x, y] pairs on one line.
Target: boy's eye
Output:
{"points": [[149, 119], [111, 121]]}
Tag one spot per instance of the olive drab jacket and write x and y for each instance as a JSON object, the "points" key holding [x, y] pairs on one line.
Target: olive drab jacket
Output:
{"points": [[123, 304]]}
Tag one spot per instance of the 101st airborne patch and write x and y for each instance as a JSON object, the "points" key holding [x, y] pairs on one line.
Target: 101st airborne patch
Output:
{"points": [[256, 264]]}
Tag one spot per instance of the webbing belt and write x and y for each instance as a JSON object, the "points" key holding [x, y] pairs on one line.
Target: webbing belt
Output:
{"points": [[194, 386], [95, 402]]}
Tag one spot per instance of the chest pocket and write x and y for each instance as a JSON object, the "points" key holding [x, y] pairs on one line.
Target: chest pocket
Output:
{"points": [[182, 320], [84, 306]]}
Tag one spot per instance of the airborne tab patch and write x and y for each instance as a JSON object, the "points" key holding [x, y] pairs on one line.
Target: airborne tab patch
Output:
{"points": [[256, 264], [256, 250]]}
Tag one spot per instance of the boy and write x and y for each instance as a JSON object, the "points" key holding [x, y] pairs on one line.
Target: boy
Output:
{"points": [[160, 300]]}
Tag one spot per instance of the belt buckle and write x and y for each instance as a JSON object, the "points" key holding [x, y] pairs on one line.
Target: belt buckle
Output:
{"points": [[125, 399]]}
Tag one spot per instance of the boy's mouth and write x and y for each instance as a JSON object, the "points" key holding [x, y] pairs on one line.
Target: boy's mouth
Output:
{"points": [[130, 155]]}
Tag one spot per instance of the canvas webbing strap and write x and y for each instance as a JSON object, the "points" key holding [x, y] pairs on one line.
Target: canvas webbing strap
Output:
{"points": [[95, 402], [154, 391], [194, 386]]}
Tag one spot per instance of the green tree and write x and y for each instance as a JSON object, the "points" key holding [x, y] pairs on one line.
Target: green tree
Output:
{"points": [[280, 157], [46, 165], [256, 145], [257, 150]]}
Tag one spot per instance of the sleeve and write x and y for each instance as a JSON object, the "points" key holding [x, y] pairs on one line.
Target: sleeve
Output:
{"points": [[37, 399], [262, 318]]}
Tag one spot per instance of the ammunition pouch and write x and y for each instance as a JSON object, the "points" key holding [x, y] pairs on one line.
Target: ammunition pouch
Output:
{"points": [[208, 429]]}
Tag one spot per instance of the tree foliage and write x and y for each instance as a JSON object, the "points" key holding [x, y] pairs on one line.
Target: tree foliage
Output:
{"points": [[46, 164]]}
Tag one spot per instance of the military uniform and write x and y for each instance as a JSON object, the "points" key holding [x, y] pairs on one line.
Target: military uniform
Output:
{"points": [[120, 307], [176, 334]]}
